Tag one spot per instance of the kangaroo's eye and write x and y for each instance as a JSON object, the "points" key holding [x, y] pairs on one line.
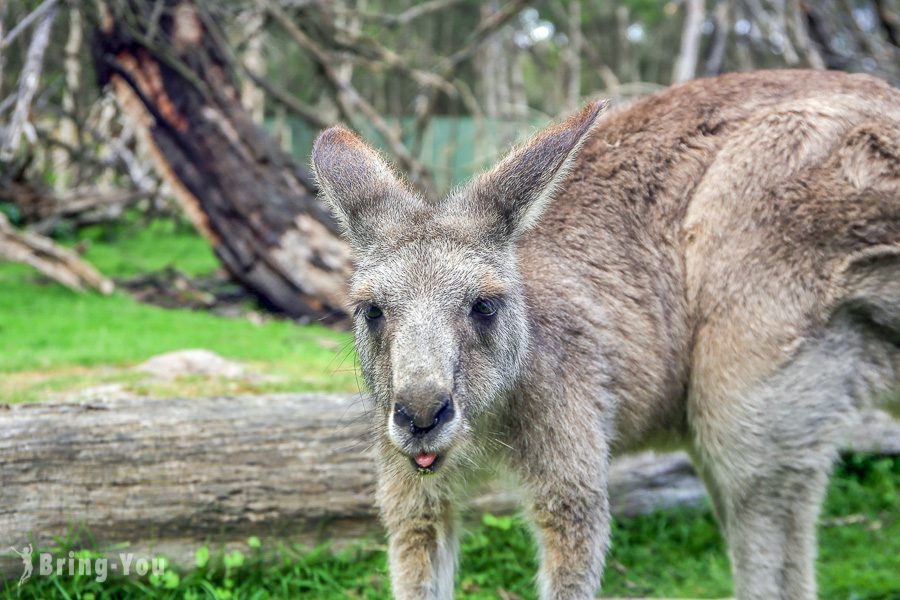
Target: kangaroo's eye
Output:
{"points": [[484, 307], [373, 312]]}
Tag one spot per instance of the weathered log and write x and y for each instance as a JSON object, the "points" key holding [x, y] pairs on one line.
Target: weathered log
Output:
{"points": [[255, 205], [168, 475]]}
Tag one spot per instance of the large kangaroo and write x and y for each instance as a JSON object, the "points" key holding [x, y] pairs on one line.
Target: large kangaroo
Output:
{"points": [[716, 265]]}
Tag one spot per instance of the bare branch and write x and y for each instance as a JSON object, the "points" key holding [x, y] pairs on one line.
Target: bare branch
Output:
{"points": [[83, 207], [348, 98], [403, 19], [25, 23], [8, 102], [411, 14], [427, 100], [370, 51], [28, 83], [485, 29], [797, 24], [292, 103], [42, 253], [3, 7], [774, 25]]}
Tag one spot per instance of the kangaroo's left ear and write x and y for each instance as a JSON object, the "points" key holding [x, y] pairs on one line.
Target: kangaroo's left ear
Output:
{"points": [[522, 185], [358, 184]]}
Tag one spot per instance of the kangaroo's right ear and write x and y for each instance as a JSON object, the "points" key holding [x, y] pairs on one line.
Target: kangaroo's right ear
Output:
{"points": [[355, 181], [523, 184]]}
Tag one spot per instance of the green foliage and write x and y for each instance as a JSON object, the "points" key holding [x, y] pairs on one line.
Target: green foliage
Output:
{"points": [[135, 246], [665, 554], [11, 211]]}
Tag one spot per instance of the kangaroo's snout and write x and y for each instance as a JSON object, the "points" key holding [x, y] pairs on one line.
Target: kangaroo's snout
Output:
{"points": [[423, 411]]}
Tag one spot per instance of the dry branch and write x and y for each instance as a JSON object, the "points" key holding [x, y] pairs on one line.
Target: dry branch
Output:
{"points": [[290, 102], [85, 206], [54, 261], [427, 100], [349, 99], [415, 12], [41, 11], [28, 79]]}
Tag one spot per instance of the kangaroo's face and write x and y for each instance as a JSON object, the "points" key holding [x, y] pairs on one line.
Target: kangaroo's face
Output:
{"points": [[441, 331], [439, 313]]}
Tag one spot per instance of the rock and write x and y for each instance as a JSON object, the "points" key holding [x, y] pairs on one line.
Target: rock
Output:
{"points": [[187, 363]]}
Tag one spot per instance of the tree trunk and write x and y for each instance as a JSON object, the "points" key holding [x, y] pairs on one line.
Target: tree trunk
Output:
{"points": [[686, 64], [168, 475], [63, 167], [572, 55], [253, 98], [255, 205], [722, 19], [489, 71]]}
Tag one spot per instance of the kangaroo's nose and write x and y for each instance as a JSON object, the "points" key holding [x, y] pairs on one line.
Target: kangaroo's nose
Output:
{"points": [[423, 414]]}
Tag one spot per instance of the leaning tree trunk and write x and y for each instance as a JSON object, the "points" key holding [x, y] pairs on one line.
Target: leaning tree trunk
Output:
{"points": [[170, 71]]}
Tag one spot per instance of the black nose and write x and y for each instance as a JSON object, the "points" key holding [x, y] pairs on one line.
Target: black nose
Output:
{"points": [[423, 416]]}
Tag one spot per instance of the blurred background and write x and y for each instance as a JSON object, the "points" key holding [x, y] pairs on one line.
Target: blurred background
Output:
{"points": [[160, 234]]}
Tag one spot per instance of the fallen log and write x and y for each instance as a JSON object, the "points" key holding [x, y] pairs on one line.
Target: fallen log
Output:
{"points": [[54, 261], [169, 475]]}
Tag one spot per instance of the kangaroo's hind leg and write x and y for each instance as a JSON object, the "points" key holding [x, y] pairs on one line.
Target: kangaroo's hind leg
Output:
{"points": [[766, 453]]}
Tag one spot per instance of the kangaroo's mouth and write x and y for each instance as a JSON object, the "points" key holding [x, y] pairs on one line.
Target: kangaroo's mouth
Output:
{"points": [[425, 462]]}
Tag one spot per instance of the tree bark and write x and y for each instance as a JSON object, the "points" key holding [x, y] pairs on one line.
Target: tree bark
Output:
{"points": [[254, 204], [68, 128], [168, 475]]}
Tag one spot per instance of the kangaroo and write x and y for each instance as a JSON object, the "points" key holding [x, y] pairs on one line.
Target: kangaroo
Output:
{"points": [[716, 265]]}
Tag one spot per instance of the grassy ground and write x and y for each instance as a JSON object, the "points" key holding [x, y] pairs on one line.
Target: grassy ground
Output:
{"points": [[53, 341]]}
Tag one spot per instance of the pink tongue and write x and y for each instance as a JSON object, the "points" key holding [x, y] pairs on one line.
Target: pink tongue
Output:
{"points": [[425, 460]]}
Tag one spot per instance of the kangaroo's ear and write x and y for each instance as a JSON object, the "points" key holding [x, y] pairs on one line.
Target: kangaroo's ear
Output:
{"points": [[355, 181], [522, 184]]}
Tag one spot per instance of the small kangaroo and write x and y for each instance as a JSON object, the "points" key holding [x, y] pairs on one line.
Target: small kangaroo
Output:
{"points": [[716, 265]]}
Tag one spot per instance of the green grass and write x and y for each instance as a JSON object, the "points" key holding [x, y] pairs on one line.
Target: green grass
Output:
{"points": [[133, 248], [666, 554], [53, 339]]}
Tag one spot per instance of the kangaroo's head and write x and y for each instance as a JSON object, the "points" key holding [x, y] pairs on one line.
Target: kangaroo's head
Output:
{"points": [[441, 324]]}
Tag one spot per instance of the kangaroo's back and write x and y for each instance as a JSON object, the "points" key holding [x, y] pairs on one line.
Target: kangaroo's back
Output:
{"points": [[708, 227]]}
